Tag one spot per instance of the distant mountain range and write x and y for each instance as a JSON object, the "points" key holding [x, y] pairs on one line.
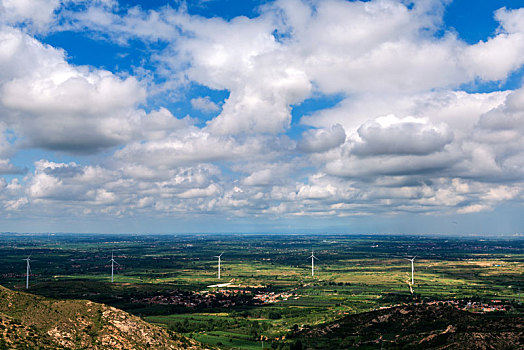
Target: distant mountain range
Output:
{"points": [[33, 322], [416, 327]]}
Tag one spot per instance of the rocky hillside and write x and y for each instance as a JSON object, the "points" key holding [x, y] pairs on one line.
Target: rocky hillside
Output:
{"points": [[417, 327], [28, 321]]}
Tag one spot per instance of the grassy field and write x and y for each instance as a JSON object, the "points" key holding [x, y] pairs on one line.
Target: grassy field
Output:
{"points": [[353, 274]]}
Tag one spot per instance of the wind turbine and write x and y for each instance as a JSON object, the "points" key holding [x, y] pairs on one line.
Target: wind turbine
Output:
{"points": [[412, 269], [113, 262], [28, 271], [219, 260], [313, 257]]}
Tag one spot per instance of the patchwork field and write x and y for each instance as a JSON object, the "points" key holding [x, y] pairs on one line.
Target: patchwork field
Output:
{"points": [[266, 292]]}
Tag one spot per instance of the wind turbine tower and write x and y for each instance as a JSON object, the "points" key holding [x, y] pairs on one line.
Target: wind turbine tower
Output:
{"points": [[313, 257], [113, 262], [412, 269], [219, 261], [28, 271]]}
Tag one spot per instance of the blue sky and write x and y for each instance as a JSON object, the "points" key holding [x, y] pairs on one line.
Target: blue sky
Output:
{"points": [[381, 116]]}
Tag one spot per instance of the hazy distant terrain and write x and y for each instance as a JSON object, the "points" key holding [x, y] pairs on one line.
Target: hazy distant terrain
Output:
{"points": [[267, 296]]}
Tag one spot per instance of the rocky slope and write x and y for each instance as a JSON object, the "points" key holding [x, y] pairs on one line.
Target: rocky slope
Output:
{"points": [[28, 321], [417, 327]]}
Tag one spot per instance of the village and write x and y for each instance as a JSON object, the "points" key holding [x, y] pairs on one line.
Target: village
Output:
{"points": [[225, 298]]}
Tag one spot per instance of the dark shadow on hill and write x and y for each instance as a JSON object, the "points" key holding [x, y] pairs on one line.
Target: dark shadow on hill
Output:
{"points": [[417, 327]]}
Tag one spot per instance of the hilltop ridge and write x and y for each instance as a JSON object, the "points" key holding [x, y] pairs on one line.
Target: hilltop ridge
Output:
{"points": [[417, 327], [31, 321]]}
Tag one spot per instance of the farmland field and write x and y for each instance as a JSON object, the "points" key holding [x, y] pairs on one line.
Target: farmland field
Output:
{"points": [[266, 291]]}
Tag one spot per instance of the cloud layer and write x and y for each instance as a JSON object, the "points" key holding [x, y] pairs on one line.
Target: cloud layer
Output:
{"points": [[405, 136]]}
